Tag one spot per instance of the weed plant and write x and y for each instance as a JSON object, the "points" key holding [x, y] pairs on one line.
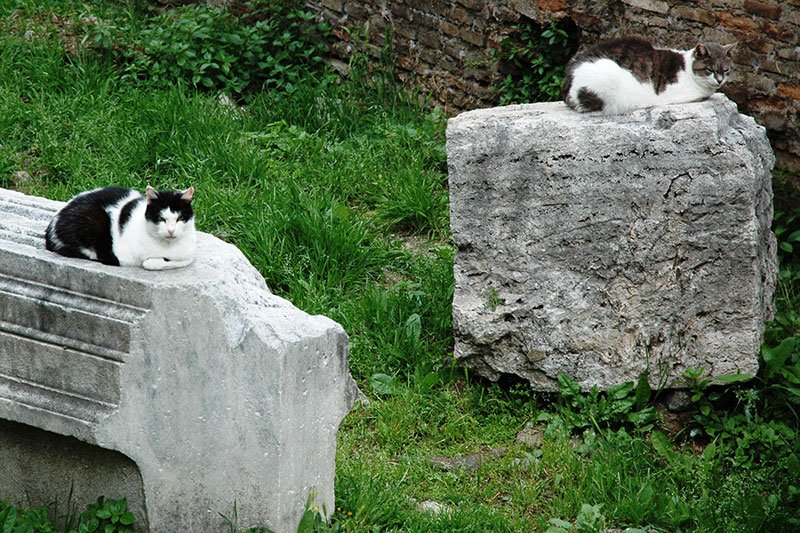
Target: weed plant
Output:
{"points": [[336, 192], [103, 516], [534, 58]]}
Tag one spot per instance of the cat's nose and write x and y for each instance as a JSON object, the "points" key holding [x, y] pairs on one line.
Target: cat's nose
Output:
{"points": [[719, 78]]}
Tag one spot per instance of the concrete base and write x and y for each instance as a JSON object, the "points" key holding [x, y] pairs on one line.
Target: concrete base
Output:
{"points": [[216, 390], [608, 246], [64, 473]]}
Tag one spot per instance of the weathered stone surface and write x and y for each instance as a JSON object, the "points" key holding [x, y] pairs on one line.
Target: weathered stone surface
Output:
{"points": [[603, 247], [215, 390]]}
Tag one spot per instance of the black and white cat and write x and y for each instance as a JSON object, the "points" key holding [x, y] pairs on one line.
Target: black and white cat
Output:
{"points": [[621, 75], [119, 226]]}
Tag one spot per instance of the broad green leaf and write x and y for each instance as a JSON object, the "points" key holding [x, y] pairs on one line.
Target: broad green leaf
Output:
{"points": [[11, 518], [430, 380], [662, 445], [711, 451], [643, 391], [384, 384], [733, 378], [127, 518]]}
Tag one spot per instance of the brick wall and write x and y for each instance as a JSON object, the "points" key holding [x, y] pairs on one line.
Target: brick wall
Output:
{"points": [[447, 46]]}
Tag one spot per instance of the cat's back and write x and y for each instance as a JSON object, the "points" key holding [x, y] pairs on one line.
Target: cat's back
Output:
{"points": [[101, 198], [95, 206], [620, 74], [629, 52]]}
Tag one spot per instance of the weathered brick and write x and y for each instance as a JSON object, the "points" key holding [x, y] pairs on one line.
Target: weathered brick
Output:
{"points": [[448, 28], [432, 58], [696, 15], [436, 7], [378, 24], [462, 16], [589, 20], [429, 38], [792, 54], [657, 6], [789, 91], [772, 66], [407, 63], [552, 5], [782, 33], [770, 113], [652, 22], [472, 37], [761, 46], [504, 15], [334, 5], [479, 74], [455, 49], [340, 34], [471, 4], [402, 11], [526, 8], [357, 12], [742, 24], [406, 31], [426, 19], [755, 85], [763, 9]]}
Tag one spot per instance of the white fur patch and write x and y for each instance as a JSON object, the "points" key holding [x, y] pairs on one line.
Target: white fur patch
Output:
{"points": [[142, 241]]}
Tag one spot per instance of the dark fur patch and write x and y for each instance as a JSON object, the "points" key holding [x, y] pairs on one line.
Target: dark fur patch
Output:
{"points": [[171, 200], [84, 224], [126, 212], [589, 101]]}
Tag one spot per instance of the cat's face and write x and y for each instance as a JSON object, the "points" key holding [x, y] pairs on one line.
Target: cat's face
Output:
{"points": [[169, 213], [713, 64]]}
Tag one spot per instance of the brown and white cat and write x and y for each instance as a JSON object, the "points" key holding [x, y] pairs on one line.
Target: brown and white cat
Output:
{"points": [[620, 75]]}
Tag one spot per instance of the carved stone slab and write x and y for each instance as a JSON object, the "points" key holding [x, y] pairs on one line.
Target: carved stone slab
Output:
{"points": [[604, 247], [216, 390]]}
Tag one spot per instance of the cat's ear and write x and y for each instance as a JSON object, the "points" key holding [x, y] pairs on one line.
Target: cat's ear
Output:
{"points": [[728, 48], [701, 50], [187, 194], [151, 194]]}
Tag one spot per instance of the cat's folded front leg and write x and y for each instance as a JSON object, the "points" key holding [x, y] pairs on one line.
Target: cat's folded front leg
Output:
{"points": [[160, 263]]}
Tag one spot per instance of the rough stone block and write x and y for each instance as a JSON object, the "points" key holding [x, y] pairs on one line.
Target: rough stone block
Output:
{"points": [[213, 389], [604, 247]]}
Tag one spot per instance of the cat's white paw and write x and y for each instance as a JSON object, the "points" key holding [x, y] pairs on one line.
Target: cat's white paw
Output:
{"points": [[160, 263], [155, 263]]}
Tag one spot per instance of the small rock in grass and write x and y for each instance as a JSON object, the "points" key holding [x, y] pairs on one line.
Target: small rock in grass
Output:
{"points": [[469, 462], [531, 437]]}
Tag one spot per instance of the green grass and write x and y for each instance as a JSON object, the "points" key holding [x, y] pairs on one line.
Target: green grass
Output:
{"points": [[337, 193]]}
